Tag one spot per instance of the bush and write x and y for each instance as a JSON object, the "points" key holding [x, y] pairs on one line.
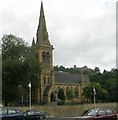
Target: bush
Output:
{"points": [[61, 102]]}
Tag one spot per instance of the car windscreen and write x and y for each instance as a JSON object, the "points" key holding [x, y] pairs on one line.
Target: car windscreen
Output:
{"points": [[3, 111], [91, 113]]}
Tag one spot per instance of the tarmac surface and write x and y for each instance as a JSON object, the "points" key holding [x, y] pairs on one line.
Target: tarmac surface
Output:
{"points": [[68, 118]]}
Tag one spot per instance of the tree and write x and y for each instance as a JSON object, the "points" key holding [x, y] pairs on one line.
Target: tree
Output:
{"points": [[61, 97], [19, 68], [88, 93], [71, 95], [97, 70], [32, 68], [55, 68], [61, 94], [13, 47], [102, 95], [110, 83], [62, 68]]}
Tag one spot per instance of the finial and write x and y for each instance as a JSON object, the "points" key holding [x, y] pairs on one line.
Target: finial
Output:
{"points": [[41, 2]]}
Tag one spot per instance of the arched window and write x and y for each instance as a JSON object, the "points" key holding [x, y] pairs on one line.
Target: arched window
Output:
{"points": [[76, 92], [67, 92], [44, 80], [45, 57]]}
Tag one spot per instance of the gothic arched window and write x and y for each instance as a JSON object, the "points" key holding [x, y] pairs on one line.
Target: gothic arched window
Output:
{"points": [[67, 92], [76, 92], [45, 57]]}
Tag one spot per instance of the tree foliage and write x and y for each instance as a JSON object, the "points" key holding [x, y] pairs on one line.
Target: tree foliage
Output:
{"points": [[61, 94], [106, 82], [102, 95], [20, 66]]}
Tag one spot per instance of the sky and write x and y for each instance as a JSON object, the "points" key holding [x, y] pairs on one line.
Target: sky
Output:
{"points": [[82, 32]]}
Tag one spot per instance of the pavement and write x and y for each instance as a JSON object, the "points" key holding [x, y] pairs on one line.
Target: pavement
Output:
{"points": [[67, 118]]}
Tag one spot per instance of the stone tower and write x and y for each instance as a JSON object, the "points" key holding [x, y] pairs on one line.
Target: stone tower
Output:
{"points": [[44, 51]]}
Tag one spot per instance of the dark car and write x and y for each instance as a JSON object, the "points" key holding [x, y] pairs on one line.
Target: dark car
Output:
{"points": [[99, 114], [34, 115], [11, 114]]}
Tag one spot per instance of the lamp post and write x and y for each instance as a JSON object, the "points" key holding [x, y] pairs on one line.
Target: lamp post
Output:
{"points": [[94, 92], [29, 95]]}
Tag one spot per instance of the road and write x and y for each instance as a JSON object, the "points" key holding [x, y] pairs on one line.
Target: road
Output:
{"points": [[67, 118], [64, 118]]}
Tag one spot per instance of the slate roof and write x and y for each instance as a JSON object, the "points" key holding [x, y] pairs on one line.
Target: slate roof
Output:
{"points": [[65, 77], [68, 78]]}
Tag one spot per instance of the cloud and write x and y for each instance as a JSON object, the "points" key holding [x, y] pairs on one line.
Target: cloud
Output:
{"points": [[81, 31]]}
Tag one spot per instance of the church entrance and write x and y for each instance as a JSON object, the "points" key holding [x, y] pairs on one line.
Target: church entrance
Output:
{"points": [[53, 97]]}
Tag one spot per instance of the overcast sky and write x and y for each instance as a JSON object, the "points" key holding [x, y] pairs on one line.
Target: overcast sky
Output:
{"points": [[82, 32]]}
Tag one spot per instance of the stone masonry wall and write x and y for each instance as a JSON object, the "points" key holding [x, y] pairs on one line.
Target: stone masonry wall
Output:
{"points": [[71, 110]]}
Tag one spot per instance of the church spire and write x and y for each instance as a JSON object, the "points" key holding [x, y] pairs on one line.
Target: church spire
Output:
{"points": [[33, 42], [42, 34]]}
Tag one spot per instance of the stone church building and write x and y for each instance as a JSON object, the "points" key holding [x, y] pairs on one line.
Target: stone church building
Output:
{"points": [[51, 81]]}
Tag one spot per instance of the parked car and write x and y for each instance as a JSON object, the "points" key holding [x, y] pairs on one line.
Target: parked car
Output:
{"points": [[85, 112], [11, 114], [34, 115], [1, 105], [99, 114]]}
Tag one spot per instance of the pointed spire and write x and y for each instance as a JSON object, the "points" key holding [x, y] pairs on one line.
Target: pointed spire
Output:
{"points": [[33, 42], [42, 34]]}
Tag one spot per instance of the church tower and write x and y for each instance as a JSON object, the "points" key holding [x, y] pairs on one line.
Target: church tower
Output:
{"points": [[44, 52], [50, 81]]}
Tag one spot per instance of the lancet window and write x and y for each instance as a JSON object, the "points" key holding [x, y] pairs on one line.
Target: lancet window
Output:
{"points": [[45, 57], [76, 92]]}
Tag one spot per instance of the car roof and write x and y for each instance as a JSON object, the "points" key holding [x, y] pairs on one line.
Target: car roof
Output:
{"points": [[100, 109], [10, 108]]}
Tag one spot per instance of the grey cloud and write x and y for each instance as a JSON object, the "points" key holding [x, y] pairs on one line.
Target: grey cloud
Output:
{"points": [[82, 32]]}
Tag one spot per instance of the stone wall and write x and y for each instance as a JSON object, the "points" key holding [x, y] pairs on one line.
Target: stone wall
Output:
{"points": [[71, 110]]}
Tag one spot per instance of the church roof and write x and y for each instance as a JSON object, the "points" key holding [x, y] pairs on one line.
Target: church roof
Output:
{"points": [[69, 78]]}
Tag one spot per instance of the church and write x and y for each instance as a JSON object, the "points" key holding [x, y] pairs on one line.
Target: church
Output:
{"points": [[51, 81]]}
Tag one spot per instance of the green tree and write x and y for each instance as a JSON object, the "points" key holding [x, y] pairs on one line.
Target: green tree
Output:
{"points": [[19, 68], [97, 70], [56, 68], [102, 95], [61, 94], [62, 68], [88, 93], [110, 83], [71, 95]]}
